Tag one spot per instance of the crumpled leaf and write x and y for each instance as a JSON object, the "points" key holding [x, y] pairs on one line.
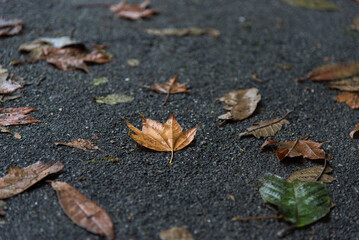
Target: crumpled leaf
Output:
{"points": [[304, 148], [310, 175], [99, 81], [333, 71], [349, 84], [266, 128], [133, 12], [79, 143], [9, 85], [168, 136], [18, 180], [300, 203], [322, 5], [350, 98], [64, 53], [355, 133], [176, 233], [355, 24], [180, 32], [16, 116], [9, 27], [83, 211], [241, 104], [169, 87], [115, 98]]}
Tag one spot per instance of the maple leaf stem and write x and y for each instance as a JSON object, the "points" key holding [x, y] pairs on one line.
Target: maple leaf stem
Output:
{"points": [[167, 96], [171, 163], [323, 170]]}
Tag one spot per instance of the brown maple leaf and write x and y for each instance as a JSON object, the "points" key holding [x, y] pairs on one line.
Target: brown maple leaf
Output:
{"points": [[168, 136], [82, 144], [350, 98], [133, 12], [16, 116], [241, 104], [9, 27], [169, 87], [305, 148]]}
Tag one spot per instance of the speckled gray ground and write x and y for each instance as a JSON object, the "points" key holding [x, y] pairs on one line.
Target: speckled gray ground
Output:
{"points": [[142, 193]]}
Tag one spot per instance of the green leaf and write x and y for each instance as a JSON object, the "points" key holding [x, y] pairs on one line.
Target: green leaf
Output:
{"points": [[301, 203], [321, 5], [99, 81], [115, 98]]}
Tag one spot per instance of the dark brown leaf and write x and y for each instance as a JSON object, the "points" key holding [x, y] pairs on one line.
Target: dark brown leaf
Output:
{"points": [[176, 233], [79, 143], [133, 12], [350, 98], [304, 148], [310, 175], [83, 211], [241, 104], [9, 27], [350, 84], [16, 116], [355, 133], [18, 180]]}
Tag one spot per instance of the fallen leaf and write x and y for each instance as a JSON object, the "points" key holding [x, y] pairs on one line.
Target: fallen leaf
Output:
{"points": [[350, 84], [350, 98], [133, 12], [158, 136], [266, 128], [300, 203], [333, 71], [16, 116], [310, 175], [176, 233], [83, 211], [241, 104], [133, 62], [169, 87], [79, 143], [115, 98], [18, 180], [64, 53], [304, 148], [180, 32], [322, 5], [9, 85], [99, 81], [4, 130], [17, 135], [9, 27], [355, 24], [355, 133]]}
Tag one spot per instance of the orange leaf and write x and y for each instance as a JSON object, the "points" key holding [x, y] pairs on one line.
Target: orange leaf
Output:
{"points": [[350, 98], [16, 116], [304, 148], [83, 211], [132, 12], [79, 143], [168, 137], [18, 180], [355, 133]]}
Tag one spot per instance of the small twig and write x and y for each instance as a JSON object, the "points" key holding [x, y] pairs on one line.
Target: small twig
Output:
{"points": [[91, 5], [257, 218], [301, 79], [323, 170], [285, 231], [41, 79], [15, 63], [222, 123], [73, 29]]}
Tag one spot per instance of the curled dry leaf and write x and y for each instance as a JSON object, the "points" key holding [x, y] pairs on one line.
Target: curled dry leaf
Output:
{"points": [[114, 98], [169, 87], [9, 85], [350, 98], [304, 148], [83, 211], [333, 71], [18, 180], [355, 133], [79, 143], [9, 27], [241, 104], [168, 136], [133, 12], [180, 32], [16, 116], [176, 233], [266, 128], [310, 175], [321, 5], [350, 84]]}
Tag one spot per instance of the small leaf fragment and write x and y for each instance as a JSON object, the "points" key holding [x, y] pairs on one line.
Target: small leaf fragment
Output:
{"points": [[180, 32], [9, 85], [133, 12], [350, 98], [133, 62], [310, 174], [115, 98], [16, 116], [83, 211], [99, 81], [355, 133], [79, 143], [176, 233], [300, 203], [321, 5], [349, 84], [18, 180], [10, 27], [4, 130]]}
